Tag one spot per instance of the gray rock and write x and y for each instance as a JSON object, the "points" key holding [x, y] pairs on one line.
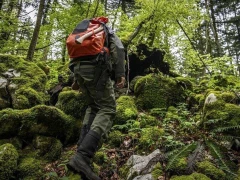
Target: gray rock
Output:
{"points": [[211, 98], [142, 165]]}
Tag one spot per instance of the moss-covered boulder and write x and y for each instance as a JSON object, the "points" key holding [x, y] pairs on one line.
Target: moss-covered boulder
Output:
{"points": [[23, 75], [149, 138], [39, 120], [30, 168], [16, 142], [26, 97], [8, 161], [193, 176], [49, 148], [115, 138], [157, 171], [126, 110], [210, 170], [224, 114], [147, 120], [72, 103], [158, 91]]}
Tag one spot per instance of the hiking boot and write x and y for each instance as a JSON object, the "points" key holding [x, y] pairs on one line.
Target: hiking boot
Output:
{"points": [[80, 164], [81, 161]]}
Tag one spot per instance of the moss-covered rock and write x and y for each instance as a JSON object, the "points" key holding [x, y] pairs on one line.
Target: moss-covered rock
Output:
{"points": [[72, 103], [157, 171], [210, 170], [179, 166], [123, 171], [149, 138], [147, 120], [158, 91], [27, 97], [41, 119], [23, 74], [100, 157], [49, 148], [15, 141], [126, 110], [115, 138], [8, 161], [193, 176], [30, 168]]}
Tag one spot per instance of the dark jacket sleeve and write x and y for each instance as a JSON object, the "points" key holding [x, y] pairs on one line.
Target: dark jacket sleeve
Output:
{"points": [[117, 55]]}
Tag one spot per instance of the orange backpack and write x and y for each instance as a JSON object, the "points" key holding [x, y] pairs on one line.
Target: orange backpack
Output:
{"points": [[88, 38]]}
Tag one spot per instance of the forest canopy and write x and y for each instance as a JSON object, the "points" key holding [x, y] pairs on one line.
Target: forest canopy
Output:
{"points": [[199, 37]]}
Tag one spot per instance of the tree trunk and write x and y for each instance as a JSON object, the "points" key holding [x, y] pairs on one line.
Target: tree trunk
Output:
{"points": [[214, 29], [95, 11], [33, 43], [64, 51], [49, 33], [207, 30], [1, 4]]}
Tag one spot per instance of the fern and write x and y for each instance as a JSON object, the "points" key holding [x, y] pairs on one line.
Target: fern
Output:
{"points": [[215, 150], [226, 137], [195, 157], [223, 129], [183, 152]]}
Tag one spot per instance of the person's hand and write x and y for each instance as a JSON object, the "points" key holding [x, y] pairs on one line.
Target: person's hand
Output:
{"points": [[120, 82]]}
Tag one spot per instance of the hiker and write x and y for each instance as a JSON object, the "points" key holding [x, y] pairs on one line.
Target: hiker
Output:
{"points": [[92, 63]]}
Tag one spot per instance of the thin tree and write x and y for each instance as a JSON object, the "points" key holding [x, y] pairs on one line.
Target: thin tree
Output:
{"points": [[33, 43]]}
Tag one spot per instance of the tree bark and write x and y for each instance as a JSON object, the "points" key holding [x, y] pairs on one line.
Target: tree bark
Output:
{"points": [[33, 43], [214, 29]]}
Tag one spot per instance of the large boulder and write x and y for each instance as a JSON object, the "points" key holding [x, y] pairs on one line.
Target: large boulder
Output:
{"points": [[39, 120], [21, 81], [158, 91], [72, 103], [126, 110], [8, 161]]}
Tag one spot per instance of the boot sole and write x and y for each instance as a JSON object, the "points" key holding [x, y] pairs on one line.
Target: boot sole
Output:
{"points": [[80, 167]]}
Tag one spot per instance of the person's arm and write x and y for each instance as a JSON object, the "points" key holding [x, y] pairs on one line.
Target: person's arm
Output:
{"points": [[118, 57]]}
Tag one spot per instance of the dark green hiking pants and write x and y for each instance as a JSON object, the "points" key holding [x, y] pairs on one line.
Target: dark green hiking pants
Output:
{"points": [[101, 107]]}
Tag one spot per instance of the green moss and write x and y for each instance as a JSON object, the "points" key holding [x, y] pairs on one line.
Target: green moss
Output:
{"points": [[41, 119], [115, 138], [27, 97], [185, 83], [210, 170], [48, 147], [158, 112], [73, 176], [123, 171], [193, 176], [147, 120], [16, 142], [44, 67], [10, 122], [72, 103], [100, 157], [179, 166], [157, 171], [31, 75], [30, 167], [8, 161], [233, 113], [158, 91], [150, 138], [126, 109], [30, 81]]}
